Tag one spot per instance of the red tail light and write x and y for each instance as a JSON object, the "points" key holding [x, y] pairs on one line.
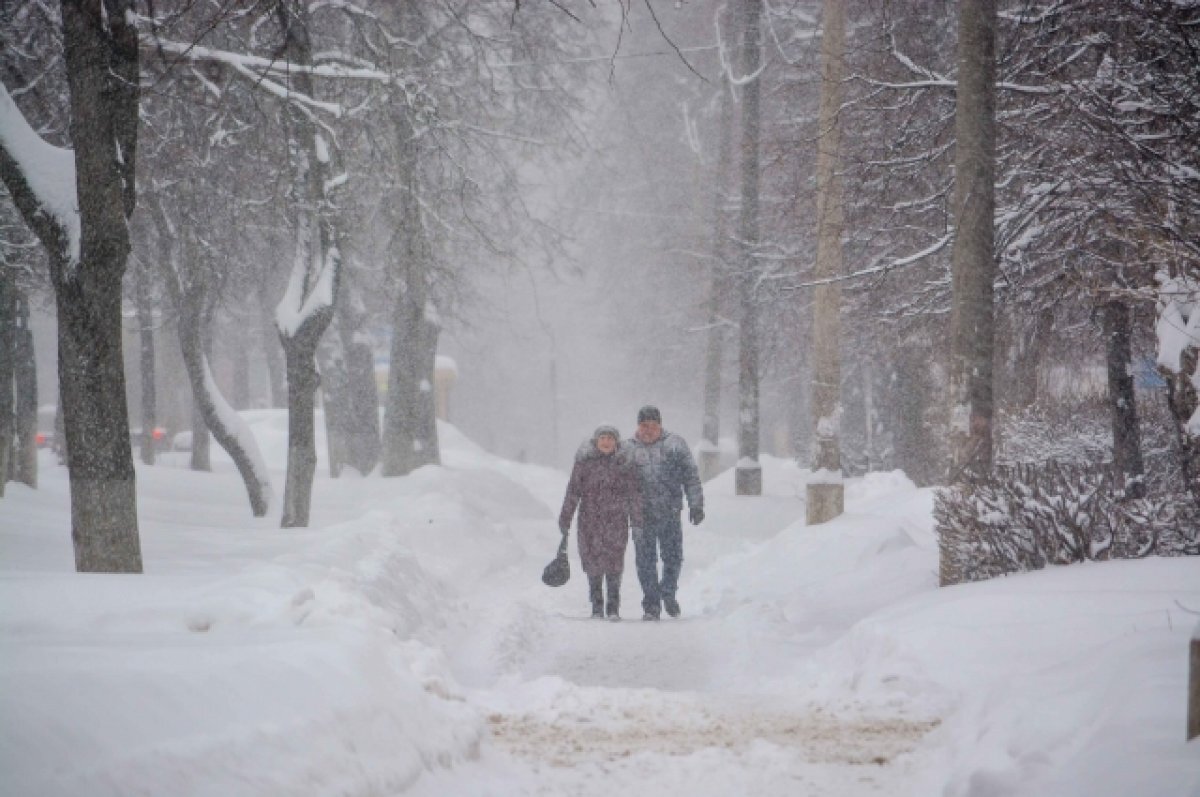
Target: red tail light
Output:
{"points": [[158, 434], [40, 438]]}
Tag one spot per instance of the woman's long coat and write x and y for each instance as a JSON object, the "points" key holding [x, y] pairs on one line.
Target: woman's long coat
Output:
{"points": [[604, 487]]}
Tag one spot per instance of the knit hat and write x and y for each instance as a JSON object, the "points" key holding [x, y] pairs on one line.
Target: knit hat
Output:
{"points": [[649, 413], [608, 430]]}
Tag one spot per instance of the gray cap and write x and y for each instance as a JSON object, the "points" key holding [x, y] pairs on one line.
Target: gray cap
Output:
{"points": [[649, 413]]}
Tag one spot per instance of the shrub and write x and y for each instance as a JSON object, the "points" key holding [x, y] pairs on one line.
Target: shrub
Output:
{"points": [[1025, 516]]}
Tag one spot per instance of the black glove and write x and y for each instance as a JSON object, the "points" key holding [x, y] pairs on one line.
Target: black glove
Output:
{"points": [[696, 515], [565, 530]]}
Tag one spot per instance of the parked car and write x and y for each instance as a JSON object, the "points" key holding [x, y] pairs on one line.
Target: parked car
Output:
{"points": [[44, 436], [158, 435]]}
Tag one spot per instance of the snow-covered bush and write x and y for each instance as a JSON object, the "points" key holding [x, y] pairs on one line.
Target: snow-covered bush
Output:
{"points": [[1024, 517], [1178, 334]]}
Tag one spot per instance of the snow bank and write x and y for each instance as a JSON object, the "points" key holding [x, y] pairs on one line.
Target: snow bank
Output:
{"points": [[1066, 681], [404, 644], [248, 659]]}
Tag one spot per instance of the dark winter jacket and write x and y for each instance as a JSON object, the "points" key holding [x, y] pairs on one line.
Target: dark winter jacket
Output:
{"points": [[604, 487], [666, 471]]}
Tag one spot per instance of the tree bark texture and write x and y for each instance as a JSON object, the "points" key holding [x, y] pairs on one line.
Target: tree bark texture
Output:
{"points": [[316, 243], [200, 456], [974, 265], [101, 56], [748, 473], [825, 496], [197, 306], [145, 317], [302, 447], [410, 421], [1023, 389], [710, 454], [187, 289], [351, 398], [204, 404], [410, 426], [101, 52], [912, 436], [8, 323], [1127, 440], [25, 464], [272, 353], [240, 398], [1182, 400]]}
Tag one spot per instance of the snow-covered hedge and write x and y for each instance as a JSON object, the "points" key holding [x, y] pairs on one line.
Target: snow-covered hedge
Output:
{"points": [[1024, 517]]}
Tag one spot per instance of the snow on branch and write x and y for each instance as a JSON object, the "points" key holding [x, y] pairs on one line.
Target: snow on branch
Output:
{"points": [[41, 179], [257, 70], [881, 269], [930, 79], [238, 429], [265, 66], [311, 287]]}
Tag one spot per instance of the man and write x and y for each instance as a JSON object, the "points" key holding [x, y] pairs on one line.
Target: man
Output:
{"points": [[666, 471]]}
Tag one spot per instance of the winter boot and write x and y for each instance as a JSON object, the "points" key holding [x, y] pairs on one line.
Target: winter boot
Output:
{"points": [[596, 593], [613, 605], [671, 605]]}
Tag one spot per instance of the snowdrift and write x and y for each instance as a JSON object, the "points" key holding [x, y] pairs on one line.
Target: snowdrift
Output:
{"points": [[387, 648]]}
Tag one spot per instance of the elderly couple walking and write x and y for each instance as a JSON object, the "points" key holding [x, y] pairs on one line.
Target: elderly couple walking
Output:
{"points": [[637, 484]]}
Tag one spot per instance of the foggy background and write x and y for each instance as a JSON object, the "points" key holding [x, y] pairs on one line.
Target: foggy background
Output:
{"points": [[551, 348]]}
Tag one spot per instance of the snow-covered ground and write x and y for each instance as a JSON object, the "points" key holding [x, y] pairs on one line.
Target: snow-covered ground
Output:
{"points": [[404, 644]]}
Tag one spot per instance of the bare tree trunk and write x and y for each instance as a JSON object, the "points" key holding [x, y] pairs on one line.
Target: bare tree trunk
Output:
{"points": [[351, 397], [18, 388], [300, 330], [1026, 359], [1182, 400], [25, 464], [825, 492], [201, 431], [241, 373], [710, 450], [101, 51], [273, 354], [302, 447], [748, 473], [145, 316], [8, 322], [410, 426], [430, 450], [1127, 439], [974, 271], [188, 302], [101, 55], [205, 401], [200, 458]]}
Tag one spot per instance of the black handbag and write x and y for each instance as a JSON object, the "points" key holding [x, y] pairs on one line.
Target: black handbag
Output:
{"points": [[558, 571]]}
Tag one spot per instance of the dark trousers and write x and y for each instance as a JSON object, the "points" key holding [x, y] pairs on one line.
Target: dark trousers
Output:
{"points": [[660, 535], [596, 593]]}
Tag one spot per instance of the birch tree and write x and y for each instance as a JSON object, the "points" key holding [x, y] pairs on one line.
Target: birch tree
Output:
{"points": [[748, 474], [825, 492], [710, 453]]}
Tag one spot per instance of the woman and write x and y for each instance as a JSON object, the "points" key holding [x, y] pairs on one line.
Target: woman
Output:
{"points": [[604, 488]]}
